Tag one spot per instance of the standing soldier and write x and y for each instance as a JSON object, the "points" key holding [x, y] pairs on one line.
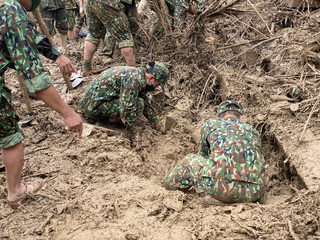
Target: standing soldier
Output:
{"points": [[54, 15], [131, 12], [120, 94], [102, 14], [229, 165], [79, 20], [176, 12], [20, 45], [72, 13]]}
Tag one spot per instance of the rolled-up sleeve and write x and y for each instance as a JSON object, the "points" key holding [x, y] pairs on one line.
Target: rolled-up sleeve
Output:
{"points": [[149, 112], [20, 39]]}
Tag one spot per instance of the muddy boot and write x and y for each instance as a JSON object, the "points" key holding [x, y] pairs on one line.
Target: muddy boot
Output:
{"points": [[87, 67]]}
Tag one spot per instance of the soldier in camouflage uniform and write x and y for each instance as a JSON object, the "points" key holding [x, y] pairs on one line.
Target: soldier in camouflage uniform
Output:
{"points": [[75, 20], [54, 15], [20, 44], [230, 164], [102, 14], [72, 13], [132, 13], [176, 12], [79, 19], [120, 94]]}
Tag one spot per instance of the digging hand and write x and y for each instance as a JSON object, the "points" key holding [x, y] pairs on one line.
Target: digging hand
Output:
{"points": [[159, 127], [135, 135]]}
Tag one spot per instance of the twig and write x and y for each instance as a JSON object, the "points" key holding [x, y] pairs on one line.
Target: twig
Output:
{"points": [[238, 44], [40, 228], [223, 8], [196, 67], [260, 16], [68, 144], [42, 25], [291, 230], [161, 10], [254, 29], [205, 86], [249, 230], [310, 115], [106, 129], [302, 79], [116, 208], [253, 47], [41, 174], [36, 150], [267, 78], [210, 13]]}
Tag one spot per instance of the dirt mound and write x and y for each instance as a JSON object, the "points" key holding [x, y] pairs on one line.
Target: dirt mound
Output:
{"points": [[261, 53]]}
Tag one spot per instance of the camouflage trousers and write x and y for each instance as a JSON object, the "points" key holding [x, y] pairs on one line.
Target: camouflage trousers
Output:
{"points": [[74, 19], [188, 173], [133, 19], [71, 17], [56, 18], [10, 130], [80, 20], [111, 109], [101, 17]]}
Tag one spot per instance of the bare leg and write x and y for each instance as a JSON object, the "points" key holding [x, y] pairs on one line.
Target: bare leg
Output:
{"points": [[129, 55], [13, 161], [89, 49], [64, 39], [76, 31], [70, 34]]}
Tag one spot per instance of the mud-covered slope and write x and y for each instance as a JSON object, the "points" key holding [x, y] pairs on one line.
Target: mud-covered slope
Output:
{"points": [[100, 187]]}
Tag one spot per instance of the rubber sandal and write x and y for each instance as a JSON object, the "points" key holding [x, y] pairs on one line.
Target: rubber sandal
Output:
{"points": [[31, 188]]}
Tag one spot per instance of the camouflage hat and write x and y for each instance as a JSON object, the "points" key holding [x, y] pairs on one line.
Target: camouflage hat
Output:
{"points": [[225, 106], [159, 71]]}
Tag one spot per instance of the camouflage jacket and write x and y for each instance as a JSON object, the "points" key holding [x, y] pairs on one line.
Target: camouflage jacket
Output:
{"points": [[19, 48], [235, 149], [117, 4], [51, 5], [71, 4], [123, 83]]}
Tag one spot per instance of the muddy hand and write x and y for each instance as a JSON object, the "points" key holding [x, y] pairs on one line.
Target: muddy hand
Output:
{"points": [[74, 123], [134, 135], [159, 127], [65, 65]]}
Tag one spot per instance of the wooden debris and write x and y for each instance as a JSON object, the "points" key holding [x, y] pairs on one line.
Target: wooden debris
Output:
{"points": [[302, 3], [277, 98]]}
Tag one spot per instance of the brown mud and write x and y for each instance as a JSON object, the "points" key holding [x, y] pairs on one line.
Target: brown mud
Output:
{"points": [[101, 187]]}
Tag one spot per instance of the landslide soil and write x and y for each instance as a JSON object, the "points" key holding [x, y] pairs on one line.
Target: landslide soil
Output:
{"points": [[102, 187]]}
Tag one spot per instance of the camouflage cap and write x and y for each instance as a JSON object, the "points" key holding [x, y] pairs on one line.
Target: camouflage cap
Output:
{"points": [[225, 106], [159, 71]]}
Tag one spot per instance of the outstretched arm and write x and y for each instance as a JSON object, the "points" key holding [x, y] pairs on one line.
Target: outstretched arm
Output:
{"points": [[51, 97]]}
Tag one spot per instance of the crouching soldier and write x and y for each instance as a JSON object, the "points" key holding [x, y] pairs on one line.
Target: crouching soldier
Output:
{"points": [[120, 94]]}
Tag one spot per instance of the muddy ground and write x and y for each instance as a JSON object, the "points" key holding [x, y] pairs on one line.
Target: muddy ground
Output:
{"points": [[101, 187]]}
